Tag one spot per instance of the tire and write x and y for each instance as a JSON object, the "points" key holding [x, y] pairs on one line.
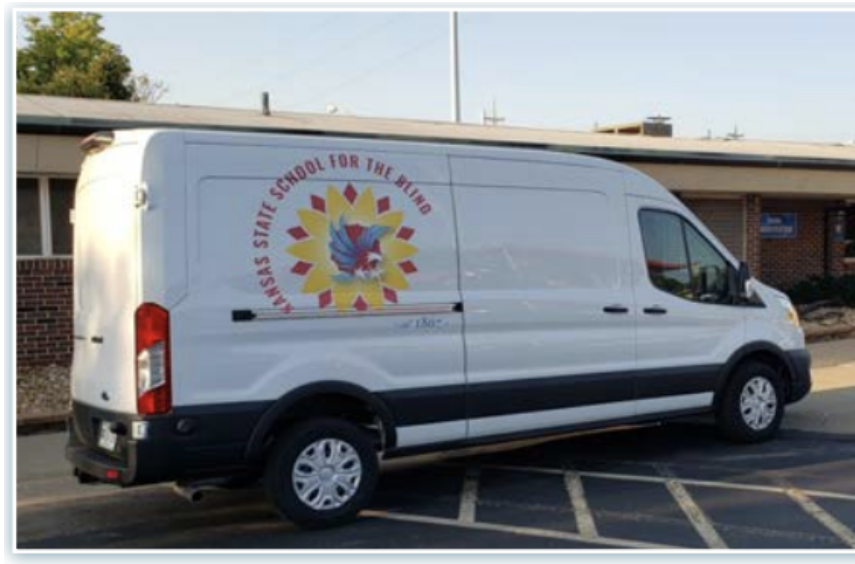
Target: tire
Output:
{"points": [[305, 460], [752, 404]]}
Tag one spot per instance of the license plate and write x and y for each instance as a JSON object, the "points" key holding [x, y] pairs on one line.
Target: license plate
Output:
{"points": [[106, 437]]}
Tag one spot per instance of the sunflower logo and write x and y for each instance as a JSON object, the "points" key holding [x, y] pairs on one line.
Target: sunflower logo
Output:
{"points": [[352, 249]]}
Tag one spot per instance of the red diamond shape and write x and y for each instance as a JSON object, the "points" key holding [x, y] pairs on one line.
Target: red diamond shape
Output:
{"points": [[390, 295], [408, 267], [301, 268], [319, 204], [298, 232], [350, 193], [360, 304], [324, 298], [383, 205], [405, 233]]}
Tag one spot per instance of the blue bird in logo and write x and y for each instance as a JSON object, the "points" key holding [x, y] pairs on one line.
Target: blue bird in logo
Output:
{"points": [[355, 249]]}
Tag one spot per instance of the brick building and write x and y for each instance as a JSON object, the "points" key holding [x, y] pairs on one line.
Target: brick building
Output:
{"points": [[788, 209]]}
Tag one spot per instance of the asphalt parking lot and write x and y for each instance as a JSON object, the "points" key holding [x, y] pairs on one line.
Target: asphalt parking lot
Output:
{"points": [[671, 486]]}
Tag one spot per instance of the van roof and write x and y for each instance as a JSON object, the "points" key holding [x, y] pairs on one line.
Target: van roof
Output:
{"points": [[411, 146]]}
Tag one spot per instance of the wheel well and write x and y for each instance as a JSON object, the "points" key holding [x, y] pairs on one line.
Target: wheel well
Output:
{"points": [[331, 404], [766, 357]]}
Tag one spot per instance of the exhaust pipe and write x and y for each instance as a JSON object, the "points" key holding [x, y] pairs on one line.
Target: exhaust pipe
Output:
{"points": [[192, 491], [195, 491]]}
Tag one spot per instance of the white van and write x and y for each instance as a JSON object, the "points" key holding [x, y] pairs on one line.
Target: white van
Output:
{"points": [[295, 308]]}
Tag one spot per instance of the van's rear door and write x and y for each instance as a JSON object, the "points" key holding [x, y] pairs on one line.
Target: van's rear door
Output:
{"points": [[106, 279]]}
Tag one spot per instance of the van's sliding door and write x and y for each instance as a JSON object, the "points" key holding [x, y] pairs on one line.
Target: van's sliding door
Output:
{"points": [[550, 323]]}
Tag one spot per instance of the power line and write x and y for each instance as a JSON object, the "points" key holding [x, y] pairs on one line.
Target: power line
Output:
{"points": [[313, 63], [384, 64], [292, 42]]}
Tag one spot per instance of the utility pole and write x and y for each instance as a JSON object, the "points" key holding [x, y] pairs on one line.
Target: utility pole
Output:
{"points": [[493, 118], [455, 72]]}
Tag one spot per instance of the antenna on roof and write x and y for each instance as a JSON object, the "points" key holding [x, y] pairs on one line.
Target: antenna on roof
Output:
{"points": [[265, 103], [735, 135], [493, 118]]}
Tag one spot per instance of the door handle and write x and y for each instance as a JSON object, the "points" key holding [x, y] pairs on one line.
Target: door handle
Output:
{"points": [[655, 310], [616, 309]]}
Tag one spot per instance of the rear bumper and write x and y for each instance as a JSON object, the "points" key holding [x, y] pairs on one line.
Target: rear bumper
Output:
{"points": [[800, 384], [207, 442], [134, 461]]}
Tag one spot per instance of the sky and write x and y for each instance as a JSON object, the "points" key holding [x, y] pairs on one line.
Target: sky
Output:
{"points": [[786, 76]]}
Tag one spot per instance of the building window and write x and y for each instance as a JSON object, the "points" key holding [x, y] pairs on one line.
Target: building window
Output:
{"points": [[61, 204], [44, 216], [29, 217], [849, 233]]}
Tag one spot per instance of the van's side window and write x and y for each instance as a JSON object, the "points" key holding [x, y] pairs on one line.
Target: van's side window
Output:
{"points": [[681, 261], [710, 270], [665, 250]]}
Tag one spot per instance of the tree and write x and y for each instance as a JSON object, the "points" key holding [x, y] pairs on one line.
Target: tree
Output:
{"points": [[148, 90], [68, 57]]}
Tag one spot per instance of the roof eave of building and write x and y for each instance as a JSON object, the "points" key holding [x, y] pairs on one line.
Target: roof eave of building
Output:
{"points": [[57, 125]]}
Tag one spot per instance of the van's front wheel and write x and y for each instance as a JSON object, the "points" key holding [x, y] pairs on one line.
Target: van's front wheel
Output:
{"points": [[752, 404], [321, 472]]}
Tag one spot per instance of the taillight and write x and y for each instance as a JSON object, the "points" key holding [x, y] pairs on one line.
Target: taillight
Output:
{"points": [[154, 388]]}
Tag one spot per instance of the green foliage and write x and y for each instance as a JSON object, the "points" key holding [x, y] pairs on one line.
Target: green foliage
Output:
{"points": [[67, 56], [819, 288]]}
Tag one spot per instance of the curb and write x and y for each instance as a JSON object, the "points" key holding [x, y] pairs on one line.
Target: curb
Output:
{"points": [[30, 425], [829, 334]]}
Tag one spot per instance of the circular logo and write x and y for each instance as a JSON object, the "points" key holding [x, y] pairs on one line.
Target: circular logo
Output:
{"points": [[352, 249]]}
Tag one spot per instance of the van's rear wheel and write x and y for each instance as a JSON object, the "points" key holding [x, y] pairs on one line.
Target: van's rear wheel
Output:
{"points": [[321, 472], [752, 404]]}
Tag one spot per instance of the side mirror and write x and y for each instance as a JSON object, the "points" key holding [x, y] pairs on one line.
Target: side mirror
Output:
{"points": [[743, 275]]}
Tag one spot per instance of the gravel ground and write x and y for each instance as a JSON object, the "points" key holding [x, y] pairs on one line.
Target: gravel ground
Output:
{"points": [[42, 390], [829, 322]]}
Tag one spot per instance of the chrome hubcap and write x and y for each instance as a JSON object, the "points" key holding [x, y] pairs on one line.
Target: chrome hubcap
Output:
{"points": [[327, 473], [758, 403]]}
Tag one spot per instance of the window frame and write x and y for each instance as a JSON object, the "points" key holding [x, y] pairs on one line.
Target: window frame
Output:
{"points": [[684, 246], [45, 224], [683, 221], [848, 215]]}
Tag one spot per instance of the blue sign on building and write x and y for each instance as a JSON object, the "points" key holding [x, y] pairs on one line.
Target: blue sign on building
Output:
{"points": [[779, 225]]}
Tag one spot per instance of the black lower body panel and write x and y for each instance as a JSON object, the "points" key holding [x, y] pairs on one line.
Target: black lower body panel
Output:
{"points": [[188, 443], [801, 381]]}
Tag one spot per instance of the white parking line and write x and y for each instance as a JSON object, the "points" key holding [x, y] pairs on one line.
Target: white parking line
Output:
{"points": [[469, 495], [684, 481], [27, 503], [694, 513], [830, 522], [584, 518], [522, 531]]}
